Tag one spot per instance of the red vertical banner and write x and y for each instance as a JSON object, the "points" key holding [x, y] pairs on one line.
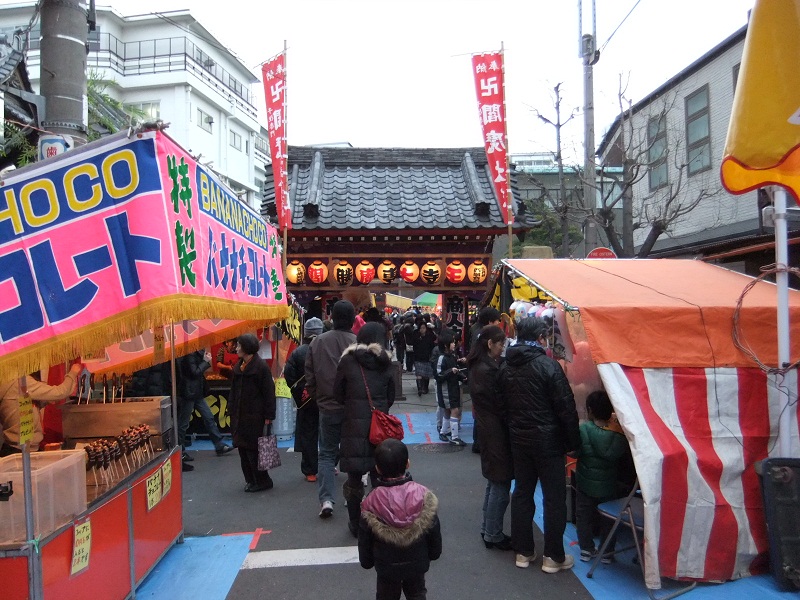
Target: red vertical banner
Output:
{"points": [[274, 75], [488, 72]]}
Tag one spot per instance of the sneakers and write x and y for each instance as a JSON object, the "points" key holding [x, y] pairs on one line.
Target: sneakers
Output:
{"points": [[326, 511], [224, 449], [185, 466], [445, 437], [185, 457], [523, 560], [312, 477], [457, 442], [607, 559], [588, 555], [551, 566]]}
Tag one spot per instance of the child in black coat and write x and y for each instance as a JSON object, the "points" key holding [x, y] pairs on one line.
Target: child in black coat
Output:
{"points": [[399, 533]]}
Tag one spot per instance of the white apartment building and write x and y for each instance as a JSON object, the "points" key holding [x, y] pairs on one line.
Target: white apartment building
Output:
{"points": [[679, 133], [174, 69]]}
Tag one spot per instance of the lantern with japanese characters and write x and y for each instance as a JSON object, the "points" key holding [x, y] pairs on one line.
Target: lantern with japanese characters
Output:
{"points": [[342, 273], [365, 272], [456, 272], [430, 272], [477, 272], [387, 271], [317, 272], [409, 271], [296, 272]]}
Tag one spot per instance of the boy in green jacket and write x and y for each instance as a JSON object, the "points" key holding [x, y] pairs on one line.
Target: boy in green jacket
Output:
{"points": [[596, 475]]}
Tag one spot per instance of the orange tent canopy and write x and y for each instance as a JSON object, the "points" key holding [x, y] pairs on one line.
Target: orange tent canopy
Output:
{"points": [[665, 313]]}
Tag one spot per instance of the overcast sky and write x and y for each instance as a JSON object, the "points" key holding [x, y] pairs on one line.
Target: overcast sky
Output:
{"points": [[396, 73]]}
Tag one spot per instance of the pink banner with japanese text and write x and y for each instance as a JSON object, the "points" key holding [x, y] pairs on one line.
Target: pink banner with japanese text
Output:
{"points": [[489, 87], [274, 74], [102, 243]]}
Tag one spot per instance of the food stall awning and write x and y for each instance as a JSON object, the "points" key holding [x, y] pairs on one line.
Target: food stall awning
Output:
{"points": [[104, 242], [662, 312], [400, 302]]}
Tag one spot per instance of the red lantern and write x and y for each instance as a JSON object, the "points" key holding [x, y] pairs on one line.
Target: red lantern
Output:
{"points": [[343, 273], [409, 271], [387, 271], [317, 272], [456, 272], [296, 272], [365, 272], [430, 272], [477, 272]]}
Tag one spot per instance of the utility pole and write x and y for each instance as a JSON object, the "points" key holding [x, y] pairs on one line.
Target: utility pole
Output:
{"points": [[590, 56], [63, 76]]}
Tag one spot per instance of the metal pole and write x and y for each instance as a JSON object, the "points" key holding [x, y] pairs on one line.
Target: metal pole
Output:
{"points": [[509, 193], [782, 285], [63, 69], [589, 171]]}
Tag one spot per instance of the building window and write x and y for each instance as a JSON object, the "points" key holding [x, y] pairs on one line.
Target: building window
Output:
{"points": [[698, 131], [657, 151], [204, 120], [150, 111], [261, 145], [236, 140]]}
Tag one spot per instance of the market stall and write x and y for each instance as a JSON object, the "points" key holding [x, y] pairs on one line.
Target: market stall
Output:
{"points": [[97, 246], [675, 344]]}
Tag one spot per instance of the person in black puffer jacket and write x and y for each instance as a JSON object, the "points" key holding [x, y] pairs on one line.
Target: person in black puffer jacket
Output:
{"points": [[543, 427], [365, 363]]}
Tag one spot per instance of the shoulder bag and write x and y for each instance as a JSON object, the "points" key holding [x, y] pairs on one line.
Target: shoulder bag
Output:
{"points": [[383, 425]]}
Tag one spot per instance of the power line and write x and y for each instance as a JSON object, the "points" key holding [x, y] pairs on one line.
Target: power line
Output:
{"points": [[620, 25]]}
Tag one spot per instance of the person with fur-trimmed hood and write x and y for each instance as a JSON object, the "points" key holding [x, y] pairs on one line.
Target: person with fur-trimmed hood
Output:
{"points": [[365, 363], [399, 532]]}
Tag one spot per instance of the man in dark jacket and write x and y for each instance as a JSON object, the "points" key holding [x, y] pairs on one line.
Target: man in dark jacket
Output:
{"points": [[543, 427], [306, 432], [321, 362], [190, 370], [399, 533]]}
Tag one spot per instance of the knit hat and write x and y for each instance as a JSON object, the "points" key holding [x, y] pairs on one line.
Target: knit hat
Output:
{"points": [[343, 315], [313, 327]]}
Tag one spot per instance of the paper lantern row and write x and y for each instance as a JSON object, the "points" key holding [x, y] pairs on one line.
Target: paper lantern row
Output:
{"points": [[341, 272]]}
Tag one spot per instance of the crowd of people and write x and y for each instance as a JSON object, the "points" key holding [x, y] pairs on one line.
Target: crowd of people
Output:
{"points": [[526, 423]]}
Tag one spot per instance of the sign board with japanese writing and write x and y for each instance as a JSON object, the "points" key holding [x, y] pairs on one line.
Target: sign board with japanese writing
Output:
{"points": [[166, 478], [81, 547], [25, 418], [101, 243], [154, 491]]}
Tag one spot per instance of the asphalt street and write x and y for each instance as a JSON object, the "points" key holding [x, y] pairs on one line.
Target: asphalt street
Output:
{"points": [[216, 505]]}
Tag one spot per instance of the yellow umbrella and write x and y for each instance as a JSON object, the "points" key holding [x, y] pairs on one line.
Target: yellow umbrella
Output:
{"points": [[762, 146]]}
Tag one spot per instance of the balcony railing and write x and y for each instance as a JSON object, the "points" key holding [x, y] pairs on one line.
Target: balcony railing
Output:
{"points": [[164, 55]]}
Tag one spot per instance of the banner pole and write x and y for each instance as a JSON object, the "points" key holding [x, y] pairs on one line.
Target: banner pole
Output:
{"points": [[286, 142], [509, 193]]}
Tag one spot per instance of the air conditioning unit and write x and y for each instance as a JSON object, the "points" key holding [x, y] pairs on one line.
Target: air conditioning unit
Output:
{"points": [[210, 120]]}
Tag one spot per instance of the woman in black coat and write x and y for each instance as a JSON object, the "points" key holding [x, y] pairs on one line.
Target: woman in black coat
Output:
{"points": [[365, 363], [251, 407], [496, 463]]}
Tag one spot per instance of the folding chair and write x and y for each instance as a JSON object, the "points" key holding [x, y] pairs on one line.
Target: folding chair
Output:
{"points": [[629, 511]]}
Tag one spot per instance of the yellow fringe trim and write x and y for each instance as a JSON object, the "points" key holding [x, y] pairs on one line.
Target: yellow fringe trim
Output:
{"points": [[95, 337]]}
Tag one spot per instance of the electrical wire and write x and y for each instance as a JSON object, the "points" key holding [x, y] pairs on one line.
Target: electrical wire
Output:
{"points": [[620, 25]]}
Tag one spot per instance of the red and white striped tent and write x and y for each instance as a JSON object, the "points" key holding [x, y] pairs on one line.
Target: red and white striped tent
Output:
{"points": [[697, 411]]}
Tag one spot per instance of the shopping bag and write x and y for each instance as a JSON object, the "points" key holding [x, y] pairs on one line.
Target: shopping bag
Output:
{"points": [[384, 426], [268, 455]]}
